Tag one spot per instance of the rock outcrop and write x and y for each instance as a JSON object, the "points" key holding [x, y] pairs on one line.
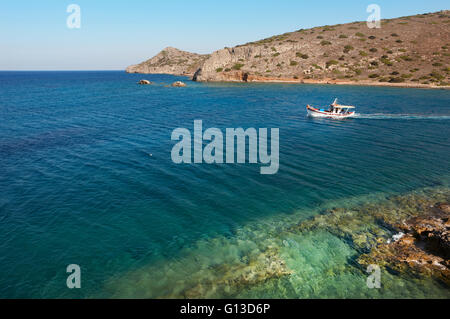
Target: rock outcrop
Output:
{"points": [[144, 82], [178, 84], [423, 248], [170, 61]]}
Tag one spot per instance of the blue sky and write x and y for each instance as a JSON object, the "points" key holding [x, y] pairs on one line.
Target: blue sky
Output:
{"points": [[114, 34]]}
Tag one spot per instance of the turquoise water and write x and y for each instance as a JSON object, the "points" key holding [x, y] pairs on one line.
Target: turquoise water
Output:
{"points": [[78, 185]]}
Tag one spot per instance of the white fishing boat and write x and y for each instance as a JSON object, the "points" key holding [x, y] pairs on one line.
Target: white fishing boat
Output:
{"points": [[335, 111]]}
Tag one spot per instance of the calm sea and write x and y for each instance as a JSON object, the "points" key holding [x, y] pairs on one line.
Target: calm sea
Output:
{"points": [[86, 178]]}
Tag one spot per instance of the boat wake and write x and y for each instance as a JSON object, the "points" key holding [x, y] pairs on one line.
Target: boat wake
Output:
{"points": [[381, 116]]}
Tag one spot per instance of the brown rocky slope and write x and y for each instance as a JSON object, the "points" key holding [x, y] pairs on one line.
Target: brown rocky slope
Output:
{"points": [[170, 61], [407, 51]]}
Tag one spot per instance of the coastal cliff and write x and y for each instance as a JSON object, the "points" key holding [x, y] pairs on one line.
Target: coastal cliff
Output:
{"points": [[406, 51]]}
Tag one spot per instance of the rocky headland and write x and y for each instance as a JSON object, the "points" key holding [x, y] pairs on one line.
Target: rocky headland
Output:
{"points": [[409, 51], [170, 61]]}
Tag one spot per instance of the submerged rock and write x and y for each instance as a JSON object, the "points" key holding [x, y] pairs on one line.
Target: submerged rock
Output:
{"points": [[178, 84], [230, 279], [424, 249]]}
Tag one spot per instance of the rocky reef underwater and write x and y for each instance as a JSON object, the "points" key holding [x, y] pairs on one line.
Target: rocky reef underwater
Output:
{"points": [[322, 255]]}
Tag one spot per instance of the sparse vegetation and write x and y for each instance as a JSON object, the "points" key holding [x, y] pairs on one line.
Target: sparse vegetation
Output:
{"points": [[387, 62], [437, 75], [348, 48], [219, 70], [237, 66], [325, 42], [301, 55], [406, 58], [397, 80], [331, 62], [317, 67]]}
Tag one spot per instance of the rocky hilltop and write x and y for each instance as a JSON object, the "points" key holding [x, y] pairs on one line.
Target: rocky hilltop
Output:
{"points": [[170, 61], [407, 51]]}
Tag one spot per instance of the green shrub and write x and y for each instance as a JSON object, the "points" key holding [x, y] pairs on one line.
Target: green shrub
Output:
{"points": [[276, 54], [374, 76], [237, 66], [293, 63], [406, 58], [437, 64], [258, 56], [397, 80], [227, 70], [331, 62], [373, 50], [219, 70], [394, 35], [301, 55], [359, 34], [348, 48], [325, 42], [437, 75], [343, 36], [362, 53], [387, 62], [319, 37], [372, 37], [399, 41]]}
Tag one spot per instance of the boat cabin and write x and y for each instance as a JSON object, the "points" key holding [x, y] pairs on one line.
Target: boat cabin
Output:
{"points": [[341, 109]]}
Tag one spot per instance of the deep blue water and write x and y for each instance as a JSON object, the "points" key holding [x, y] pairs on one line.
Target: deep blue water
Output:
{"points": [[78, 184]]}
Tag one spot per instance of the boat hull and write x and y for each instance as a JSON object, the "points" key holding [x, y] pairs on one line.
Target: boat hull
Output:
{"points": [[312, 112]]}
